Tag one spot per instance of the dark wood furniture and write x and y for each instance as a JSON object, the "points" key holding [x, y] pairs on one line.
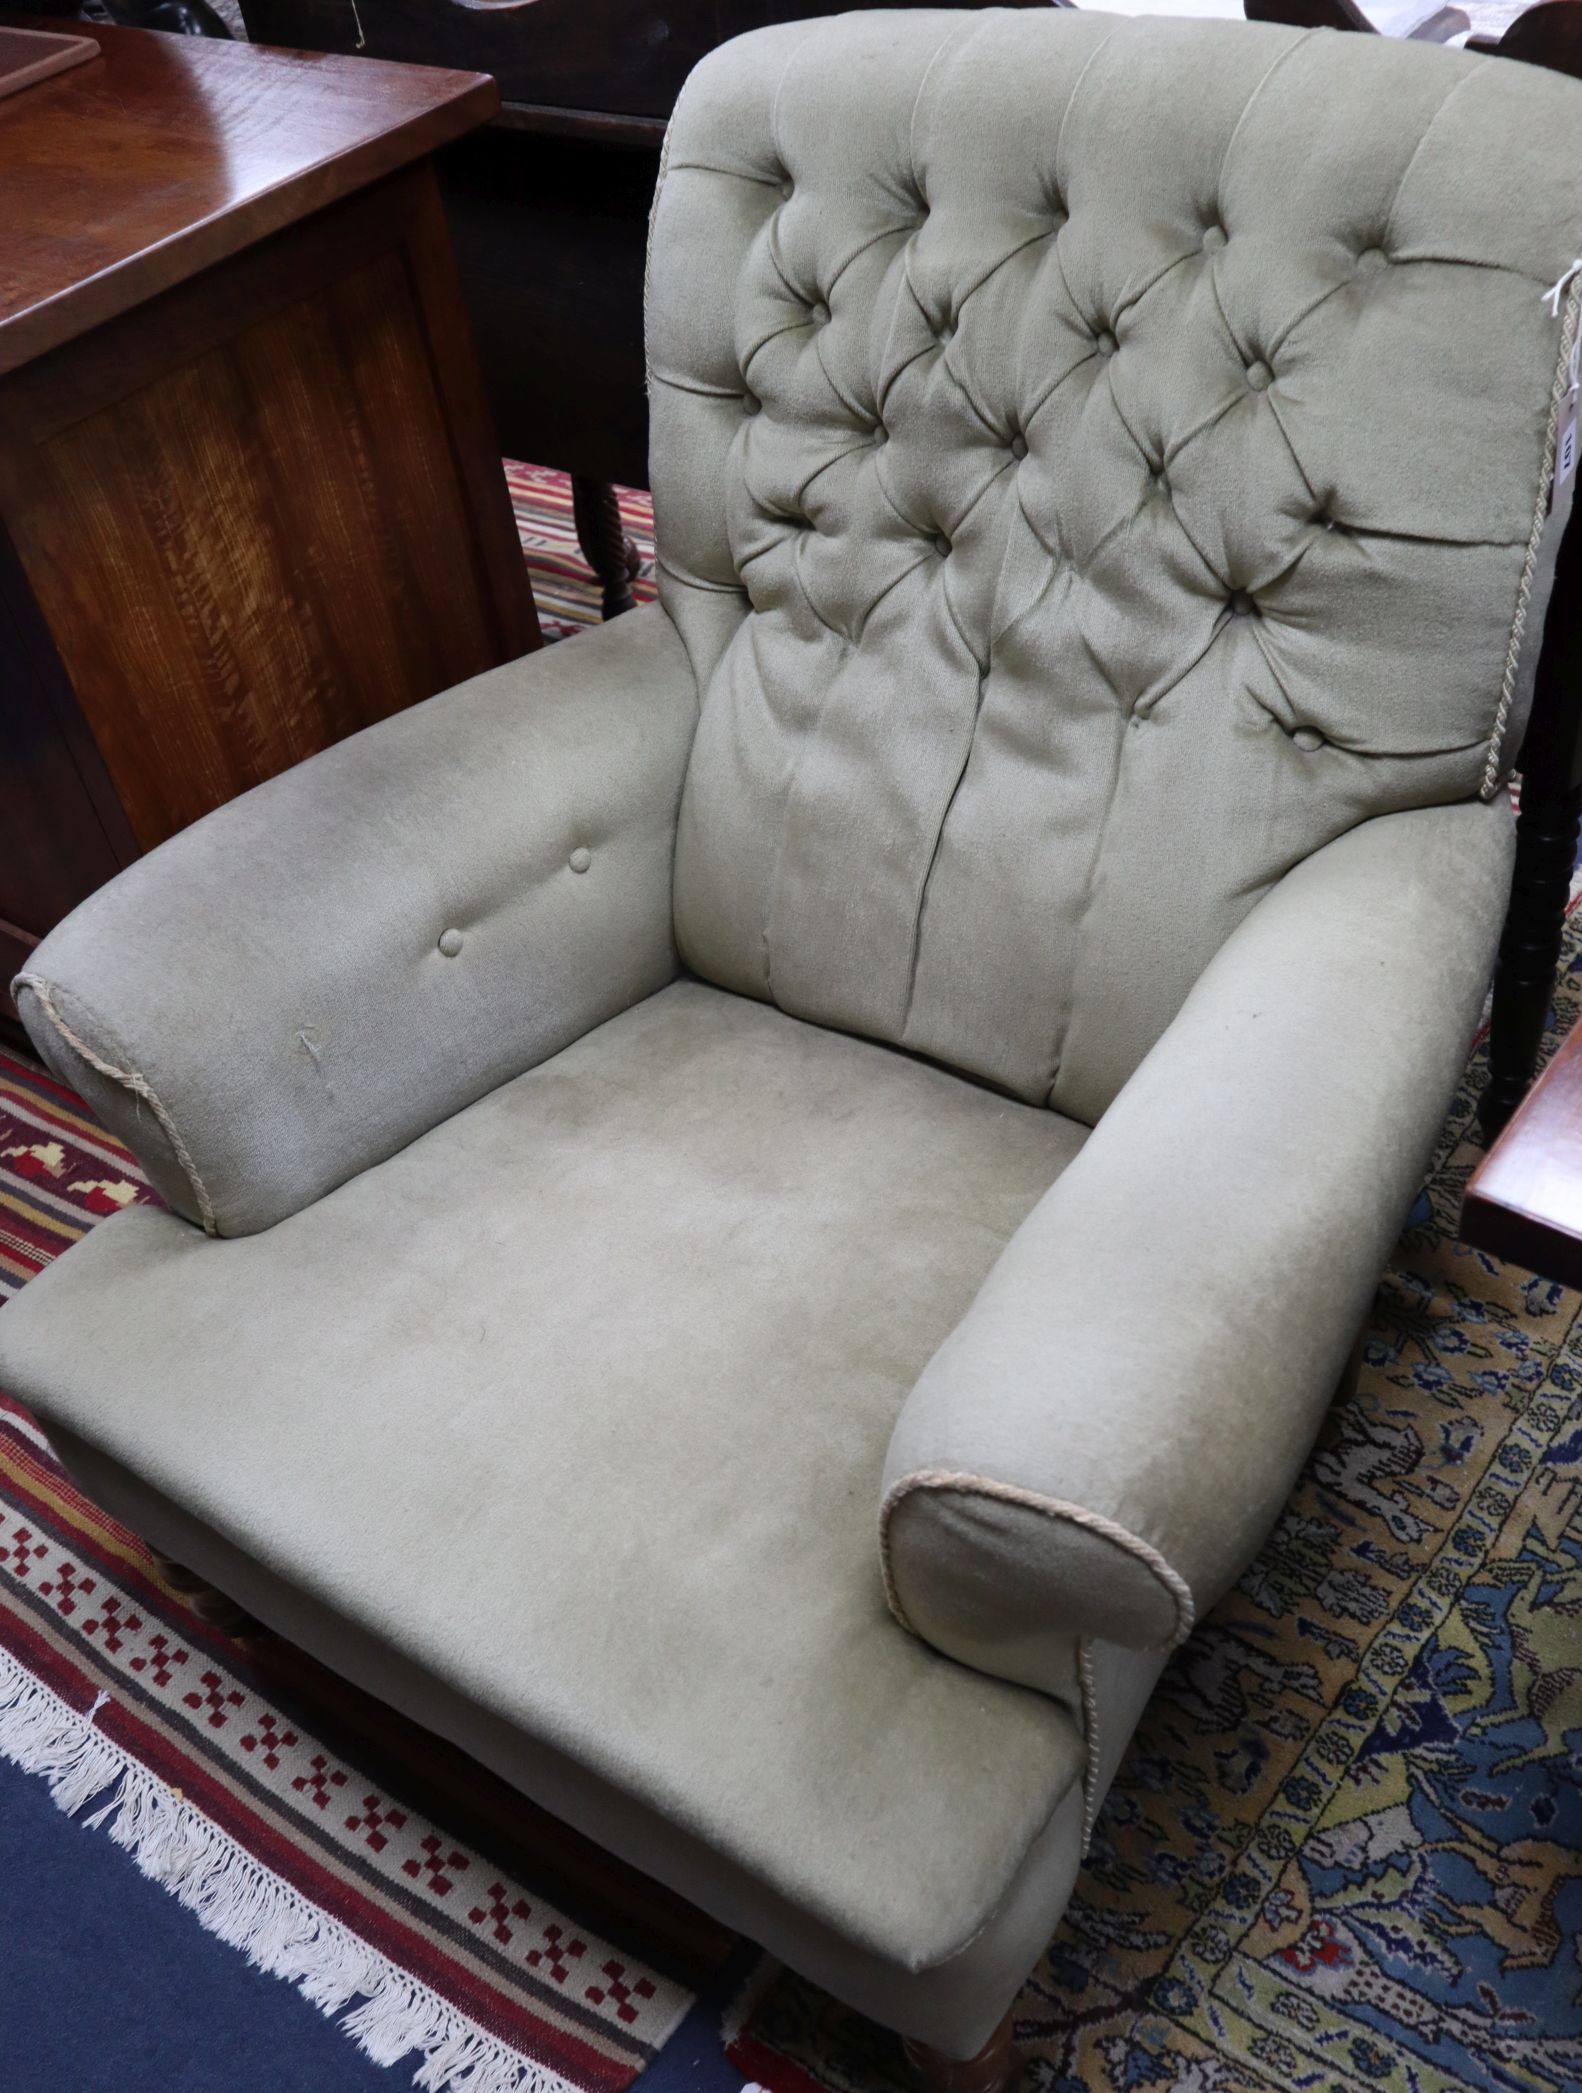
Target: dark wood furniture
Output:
{"points": [[1525, 1199], [1546, 846], [28, 56], [250, 495], [549, 206]]}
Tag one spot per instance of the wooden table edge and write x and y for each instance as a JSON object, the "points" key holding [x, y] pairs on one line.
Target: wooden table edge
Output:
{"points": [[109, 293], [1518, 1236], [1494, 1217]]}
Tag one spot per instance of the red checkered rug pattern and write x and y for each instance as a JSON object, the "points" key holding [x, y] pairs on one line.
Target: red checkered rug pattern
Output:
{"points": [[337, 1844]]}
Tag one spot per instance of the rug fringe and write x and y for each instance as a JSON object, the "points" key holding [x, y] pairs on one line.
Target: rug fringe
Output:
{"points": [[248, 1906]]}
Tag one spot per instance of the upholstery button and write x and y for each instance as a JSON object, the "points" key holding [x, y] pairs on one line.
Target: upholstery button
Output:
{"points": [[1258, 376], [581, 858], [785, 187], [750, 403], [942, 545], [1018, 446], [947, 331], [1371, 261], [1160, 484], [880, 434], [1308, 738], [1214, 238], [1104, 342], [450, 943], [1242, 605], [820, 312]]}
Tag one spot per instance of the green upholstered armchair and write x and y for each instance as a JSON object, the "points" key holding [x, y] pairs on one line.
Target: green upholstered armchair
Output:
{"points": [[764, 1206]]}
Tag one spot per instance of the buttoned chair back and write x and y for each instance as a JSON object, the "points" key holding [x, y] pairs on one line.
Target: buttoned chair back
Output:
{"points": [[1095, 464]]}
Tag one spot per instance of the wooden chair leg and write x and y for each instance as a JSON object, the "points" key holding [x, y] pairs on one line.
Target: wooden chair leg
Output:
{"points": [[988, 2072], [1546, 846], [207, 1603], [605, 546]]}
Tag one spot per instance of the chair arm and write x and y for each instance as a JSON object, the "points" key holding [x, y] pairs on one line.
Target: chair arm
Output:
{"points": [[1104, 1440], [272, 1001]]}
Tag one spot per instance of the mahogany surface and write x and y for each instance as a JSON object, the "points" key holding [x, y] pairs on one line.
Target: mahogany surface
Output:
{"points": [[250, 492], [1525, 1199], [124, 177]]}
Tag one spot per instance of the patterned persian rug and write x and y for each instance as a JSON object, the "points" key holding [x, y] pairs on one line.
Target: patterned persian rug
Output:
{"points": [[1344, 1851]]}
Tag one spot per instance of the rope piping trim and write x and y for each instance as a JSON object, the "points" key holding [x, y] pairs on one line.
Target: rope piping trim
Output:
{"points": [[1090, 1736], [1172, 1582], [1494, 768], [140, 1087]]}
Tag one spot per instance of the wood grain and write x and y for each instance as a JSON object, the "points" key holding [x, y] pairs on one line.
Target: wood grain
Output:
{"points": [[30, 55], [127, 176], [250, 551], [1525, 1199], [254, 502]]}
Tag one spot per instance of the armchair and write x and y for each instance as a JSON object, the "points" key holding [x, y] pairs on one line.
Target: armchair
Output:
{"points": [[836, 1135]]}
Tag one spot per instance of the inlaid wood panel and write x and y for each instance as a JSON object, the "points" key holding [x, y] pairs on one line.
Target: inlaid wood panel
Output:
{"points": [[244, 521]]}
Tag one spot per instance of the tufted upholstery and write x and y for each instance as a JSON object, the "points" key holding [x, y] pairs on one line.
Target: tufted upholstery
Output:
{"points": [[1096, 464], [1100, 469]]}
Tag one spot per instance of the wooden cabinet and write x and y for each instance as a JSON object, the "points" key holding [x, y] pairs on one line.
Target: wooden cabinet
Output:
{"points": [[250, 493]]}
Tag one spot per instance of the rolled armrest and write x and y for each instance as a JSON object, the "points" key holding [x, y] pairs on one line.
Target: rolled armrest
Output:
{"points": [[317, 973], [1110, 1431]]}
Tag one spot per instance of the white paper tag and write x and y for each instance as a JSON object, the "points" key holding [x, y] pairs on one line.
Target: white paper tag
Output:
{"points": [[1565, 452]]}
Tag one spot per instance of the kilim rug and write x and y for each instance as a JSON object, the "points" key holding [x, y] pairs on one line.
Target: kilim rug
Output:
{"points": [[340, 1846], [563, 586], [1344, 1851]]}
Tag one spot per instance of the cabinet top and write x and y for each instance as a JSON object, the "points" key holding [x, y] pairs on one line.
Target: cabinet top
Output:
{"points": [[165, 154]]}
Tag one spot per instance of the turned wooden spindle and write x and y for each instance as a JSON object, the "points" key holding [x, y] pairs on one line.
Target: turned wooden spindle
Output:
{"points": [[987, 2072], [605, 545]]}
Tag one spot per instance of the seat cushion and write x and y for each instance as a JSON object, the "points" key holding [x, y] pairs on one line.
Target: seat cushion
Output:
{"points": [[580, 1404]]}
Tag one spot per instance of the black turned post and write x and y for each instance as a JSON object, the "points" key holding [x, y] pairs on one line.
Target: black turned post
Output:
{"points": [[605, 545], [1546, 846], [1546, 842]]}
